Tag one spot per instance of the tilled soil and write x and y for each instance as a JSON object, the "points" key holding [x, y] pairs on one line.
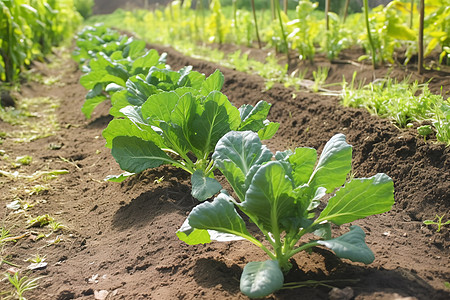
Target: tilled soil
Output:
{"points": [[120, 237]]}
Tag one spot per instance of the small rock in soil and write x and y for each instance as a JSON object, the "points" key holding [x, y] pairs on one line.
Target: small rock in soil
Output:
{"points": [[101, 295], [341, 294]]}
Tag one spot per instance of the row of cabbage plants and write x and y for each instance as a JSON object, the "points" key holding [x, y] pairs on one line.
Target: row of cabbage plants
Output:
{"points": [[163, 116]]}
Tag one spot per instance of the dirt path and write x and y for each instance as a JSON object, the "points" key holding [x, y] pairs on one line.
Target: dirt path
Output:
{"points": [[121, 237]]}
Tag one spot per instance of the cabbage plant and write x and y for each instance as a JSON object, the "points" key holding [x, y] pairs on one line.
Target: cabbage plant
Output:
{"points": [[281, 195]]}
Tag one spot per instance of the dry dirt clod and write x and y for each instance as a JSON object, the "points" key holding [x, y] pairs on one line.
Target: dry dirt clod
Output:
{"points": [[101, 295], [341, 294]]}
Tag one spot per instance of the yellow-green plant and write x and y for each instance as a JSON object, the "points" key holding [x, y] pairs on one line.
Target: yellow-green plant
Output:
{"points": [[28, 30]]}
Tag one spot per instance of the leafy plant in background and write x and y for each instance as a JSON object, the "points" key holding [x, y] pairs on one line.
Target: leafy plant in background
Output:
{"points": [[303, 31], [103, 70], [29, 29], [387, 30], [172, 127], [402, 102], [99, 38], [437, 28], [281, 197], [217, 24], [84, 7], [336, 38]]}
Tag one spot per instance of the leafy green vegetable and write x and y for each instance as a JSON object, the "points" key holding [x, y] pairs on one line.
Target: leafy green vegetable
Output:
{"points": [[116, 69], [281, 198], [172, 127]]}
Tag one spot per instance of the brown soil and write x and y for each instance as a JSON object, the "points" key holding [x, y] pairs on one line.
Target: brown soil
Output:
{"points": [[121, 237]]}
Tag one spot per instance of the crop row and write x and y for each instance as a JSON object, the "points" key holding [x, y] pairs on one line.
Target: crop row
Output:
{"points": [[170, 117], [29, 29], [393, 27]]}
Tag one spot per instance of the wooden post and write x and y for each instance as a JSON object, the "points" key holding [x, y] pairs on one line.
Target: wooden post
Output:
{"points": [[347, 2], [256, 24], [421, 18]]}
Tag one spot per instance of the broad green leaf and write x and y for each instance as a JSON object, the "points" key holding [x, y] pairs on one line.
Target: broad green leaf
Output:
{"points": [[136, 155], [269, 197], [359, 198], [133, 113], [92, 78], [125, 127], [113, 88], [235, 154], [268, 131], [351, 245], [150, 59], [184, 110], [218, 118], [193, 236], [139, 91], [116, 74], [204, 187], [119, 178], [253, 119], [213, 83], [134, 49], [193, 79], [302, 162], [163, 78], [261, 278], [159, 107], [219, 215], [334, 164], [401, 32], [90, 104], [174, 138], [181, 91]]}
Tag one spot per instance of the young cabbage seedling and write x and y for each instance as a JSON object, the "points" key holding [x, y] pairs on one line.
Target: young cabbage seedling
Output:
{"points": [[424, 131], [281, 198]]}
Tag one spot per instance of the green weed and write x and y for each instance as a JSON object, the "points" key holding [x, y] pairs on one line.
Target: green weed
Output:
{"points": [[438, 222], [20, 285]]}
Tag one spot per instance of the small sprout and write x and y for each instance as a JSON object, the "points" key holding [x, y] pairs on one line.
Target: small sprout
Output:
{"points": [[39, 236], [98, 151], [37, 189], [438, 222], [447, 284], [56, 226], [24, 160], [36, 259], [158, 180], [40, 221], [55, 241], [424, 131], [4, 235]]}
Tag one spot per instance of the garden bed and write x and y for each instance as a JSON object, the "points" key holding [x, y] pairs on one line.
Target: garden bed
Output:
{"points": [[120, 237]]}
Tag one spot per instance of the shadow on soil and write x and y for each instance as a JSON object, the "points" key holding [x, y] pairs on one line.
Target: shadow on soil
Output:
{"points": [[100, 122], [400, 282], [171, 196]]}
